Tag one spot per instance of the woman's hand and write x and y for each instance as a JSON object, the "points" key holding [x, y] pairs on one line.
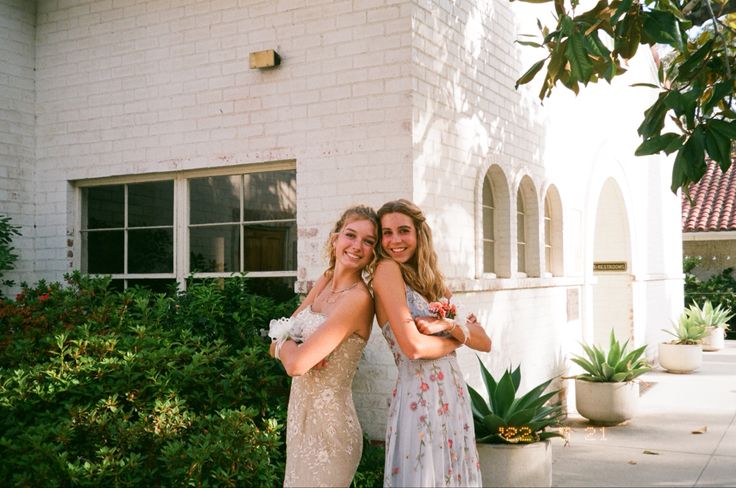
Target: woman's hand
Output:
{"points": [[429, 325]]}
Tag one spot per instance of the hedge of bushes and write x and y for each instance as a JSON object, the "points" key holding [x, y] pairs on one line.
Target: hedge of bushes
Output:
{"points": [[720, 289], [135, 388]]}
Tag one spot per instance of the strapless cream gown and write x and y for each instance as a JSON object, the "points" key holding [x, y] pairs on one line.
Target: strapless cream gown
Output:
{"points": [[324, 440]]}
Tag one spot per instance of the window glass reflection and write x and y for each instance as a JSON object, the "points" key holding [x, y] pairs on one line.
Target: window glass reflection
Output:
{"points": [[269, 196], [151, 204], [214, 199], [214, 249], [270, 247], [105, 206], [151, 251]]}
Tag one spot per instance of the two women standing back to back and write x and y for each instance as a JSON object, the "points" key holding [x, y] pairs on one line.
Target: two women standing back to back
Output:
{"points": [[430, 439]]}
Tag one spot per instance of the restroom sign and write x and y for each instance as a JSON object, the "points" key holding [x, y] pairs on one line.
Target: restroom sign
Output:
{"points": [[610, 266]]}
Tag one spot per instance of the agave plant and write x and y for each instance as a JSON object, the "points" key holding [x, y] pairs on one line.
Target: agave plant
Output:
{"points": [[688, 329], [709, 316], [506, 419], [617, 366]]}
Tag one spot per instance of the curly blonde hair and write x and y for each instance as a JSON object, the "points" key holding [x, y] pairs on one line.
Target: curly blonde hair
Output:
{"points": [[421, 271], [356, 212]]}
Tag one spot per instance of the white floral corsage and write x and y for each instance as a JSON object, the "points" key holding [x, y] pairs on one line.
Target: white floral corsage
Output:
{"points": [[281, 330]]}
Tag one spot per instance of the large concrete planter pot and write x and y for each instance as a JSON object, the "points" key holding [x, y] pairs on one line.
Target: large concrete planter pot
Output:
{"points": [[715, 340], [503, 465], [680, 358], [606, 403]]}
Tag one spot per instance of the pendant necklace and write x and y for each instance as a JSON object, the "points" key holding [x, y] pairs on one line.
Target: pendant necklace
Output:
{"points": [[335, 294]]}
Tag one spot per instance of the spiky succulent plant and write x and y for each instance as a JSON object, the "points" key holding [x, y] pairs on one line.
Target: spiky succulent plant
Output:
{"points": [[616, 366]]}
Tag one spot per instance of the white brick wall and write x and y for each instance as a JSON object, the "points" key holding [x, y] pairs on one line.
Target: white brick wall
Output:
{"points": [[17, 140], [129, 87]]}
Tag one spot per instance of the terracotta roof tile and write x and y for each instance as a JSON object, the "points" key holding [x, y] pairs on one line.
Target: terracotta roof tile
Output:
{"points": [[713, 197]]}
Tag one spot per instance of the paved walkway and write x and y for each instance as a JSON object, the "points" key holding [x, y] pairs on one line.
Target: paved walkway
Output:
{"points": [[683, 435]]}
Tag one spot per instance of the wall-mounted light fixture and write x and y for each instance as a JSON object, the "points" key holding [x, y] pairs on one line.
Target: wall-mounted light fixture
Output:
{"points": [[264, 59]]}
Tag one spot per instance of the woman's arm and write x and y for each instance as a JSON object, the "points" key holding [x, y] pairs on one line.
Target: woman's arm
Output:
{"points": [[390, 292], [477, 338], [353, 311]]}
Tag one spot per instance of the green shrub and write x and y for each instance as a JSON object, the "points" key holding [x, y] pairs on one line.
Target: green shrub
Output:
{"points": [[139, 389], [7, 256], [719, 289]]}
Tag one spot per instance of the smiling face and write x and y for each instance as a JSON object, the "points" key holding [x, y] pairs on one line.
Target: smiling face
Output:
{"points": [[398, 236], [355, 244]]}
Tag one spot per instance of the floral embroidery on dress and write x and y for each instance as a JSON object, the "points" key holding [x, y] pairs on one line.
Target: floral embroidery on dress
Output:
{"points": [[430, 440], [324, 440]]}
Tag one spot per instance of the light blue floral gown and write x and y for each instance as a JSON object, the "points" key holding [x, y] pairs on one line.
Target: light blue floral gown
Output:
{"points": [[430, 439]]}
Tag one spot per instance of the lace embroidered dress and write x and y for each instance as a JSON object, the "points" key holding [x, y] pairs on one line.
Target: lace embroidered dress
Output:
{"points": [[430, 439], [324, 440]]}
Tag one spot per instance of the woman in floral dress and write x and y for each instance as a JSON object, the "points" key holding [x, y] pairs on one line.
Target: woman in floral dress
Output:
{"points": [[321, 348], [430, 439]]}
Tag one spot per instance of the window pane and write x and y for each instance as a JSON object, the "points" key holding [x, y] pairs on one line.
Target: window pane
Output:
{"points": [[104, 206], [487, 192], [214, 249], [151, 251], [488, 223], [270, 247], [214, 200], [270, 196], [157, 286], [521, 250], [489, 264], [280, 289], [103, 251], [151, 204]]}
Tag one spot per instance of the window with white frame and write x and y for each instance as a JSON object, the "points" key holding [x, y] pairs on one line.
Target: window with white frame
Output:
{"points": [[547, 235], [520, 232], [227, 223], [489, 240]]}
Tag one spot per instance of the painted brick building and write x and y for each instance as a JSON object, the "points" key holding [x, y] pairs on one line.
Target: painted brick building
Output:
{"points": [[135, 140]]}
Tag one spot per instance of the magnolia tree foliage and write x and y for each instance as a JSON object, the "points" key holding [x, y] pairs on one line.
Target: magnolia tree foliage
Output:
{"points": [[696, 84]]}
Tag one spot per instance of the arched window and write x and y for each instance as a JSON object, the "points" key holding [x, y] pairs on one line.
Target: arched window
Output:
{"points": [[547, 235], [489, 240], [553, 232], [520, 232]]}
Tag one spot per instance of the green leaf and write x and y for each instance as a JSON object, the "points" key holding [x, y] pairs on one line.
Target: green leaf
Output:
{"points": [[577, 55], [662, 27], [478, 404], [622, 7], [505, 393], [720, 91], [654, 118], [692, 65], [718, 147], [530, 73], [723, 127], [656, 144]]}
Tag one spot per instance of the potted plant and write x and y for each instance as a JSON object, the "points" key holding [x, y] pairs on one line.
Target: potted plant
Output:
{"points": [[715, 321], [511, 431], [607, 392], [685, 353]]}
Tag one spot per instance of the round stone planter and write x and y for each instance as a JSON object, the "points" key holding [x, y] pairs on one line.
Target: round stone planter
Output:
{"points": [[606, 403], [680, 358], [503, 465], [715, 340]]}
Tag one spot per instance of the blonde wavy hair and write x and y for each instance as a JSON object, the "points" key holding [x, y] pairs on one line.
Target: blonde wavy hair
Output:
{"points": [[352, 214], [421, 272]]}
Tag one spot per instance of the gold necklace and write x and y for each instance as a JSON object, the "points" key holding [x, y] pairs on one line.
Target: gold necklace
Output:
{"points": [[335, 294]]}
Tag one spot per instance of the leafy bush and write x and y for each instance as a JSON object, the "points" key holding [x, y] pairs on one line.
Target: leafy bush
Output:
{"points": [[719, 289], [7, 256], [139, 389]]}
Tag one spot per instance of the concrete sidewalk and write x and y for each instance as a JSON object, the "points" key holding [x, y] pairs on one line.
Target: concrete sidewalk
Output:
{"points": [[661, 445]]}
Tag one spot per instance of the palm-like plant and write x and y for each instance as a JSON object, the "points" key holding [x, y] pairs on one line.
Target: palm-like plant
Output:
{"points": [[688, 329], [616, 366], [506, 419], [709, 316]]}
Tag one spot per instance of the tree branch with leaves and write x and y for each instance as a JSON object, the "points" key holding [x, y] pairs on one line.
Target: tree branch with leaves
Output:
{"points": [[696, 80]]}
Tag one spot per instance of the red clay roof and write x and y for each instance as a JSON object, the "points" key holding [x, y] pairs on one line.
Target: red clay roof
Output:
{"points": [[713, 199]]}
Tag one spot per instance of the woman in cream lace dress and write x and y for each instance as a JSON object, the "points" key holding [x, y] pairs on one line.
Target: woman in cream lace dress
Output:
{"points": [[323, 436], [430, 439]]}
